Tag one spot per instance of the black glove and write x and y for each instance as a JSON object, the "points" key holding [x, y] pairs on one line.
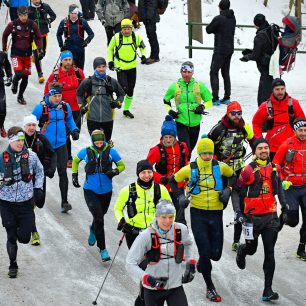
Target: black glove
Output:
{"points": [[84, 43], [189, 272], [199, 109], [83, 110], [49, 173], [75, 180], [224, 196], [239, 217], [155, 282], [283, 217], [75, 135], [103, 21], [129, 229], [164, 180], [183, 201], [8, 81], [247, 51], [143, 59], [116, 104], [173, 114], [244, 58], [112, 173], [121, 224], [41, 54], [63, 48], [39, 197], [111, 65]]}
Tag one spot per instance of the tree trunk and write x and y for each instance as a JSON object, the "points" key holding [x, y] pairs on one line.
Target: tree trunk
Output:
{"points": [[298, 6], [195, 15]]}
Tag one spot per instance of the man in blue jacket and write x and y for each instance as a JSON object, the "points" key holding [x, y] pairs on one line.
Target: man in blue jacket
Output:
{"points": [[13, 6], [73, 28], [53, 115]]}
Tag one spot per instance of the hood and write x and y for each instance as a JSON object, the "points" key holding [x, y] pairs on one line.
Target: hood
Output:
{"points": [[228, 123], [228, 13], [264, 26]]}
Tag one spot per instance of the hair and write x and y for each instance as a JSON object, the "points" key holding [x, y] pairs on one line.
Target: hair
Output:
{"points": [[55, 84], [14, 130]]}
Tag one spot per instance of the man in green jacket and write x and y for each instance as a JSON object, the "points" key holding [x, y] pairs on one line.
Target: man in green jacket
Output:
{"points": [[122, 56], [188, 95]]}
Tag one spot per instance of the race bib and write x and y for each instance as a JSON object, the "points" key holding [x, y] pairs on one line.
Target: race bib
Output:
{"points": [[247, 229]]}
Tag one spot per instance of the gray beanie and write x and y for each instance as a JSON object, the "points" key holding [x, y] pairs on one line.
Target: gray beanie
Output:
{"points": [[164, 207], [99, 61]]}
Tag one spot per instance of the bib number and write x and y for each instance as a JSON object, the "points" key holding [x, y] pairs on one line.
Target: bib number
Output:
{"points": [[247, 229]]}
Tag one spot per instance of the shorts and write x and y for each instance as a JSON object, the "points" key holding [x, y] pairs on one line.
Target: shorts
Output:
{"points": [[22, 63]]}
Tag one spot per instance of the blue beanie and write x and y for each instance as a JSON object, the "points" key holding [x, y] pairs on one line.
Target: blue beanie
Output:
{"points": [[66, 54], [168, 127]]}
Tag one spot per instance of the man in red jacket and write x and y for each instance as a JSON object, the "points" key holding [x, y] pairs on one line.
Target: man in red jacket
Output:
{"points": [[169, 156], [24, 31], [279, 113], [291, 156], [70, 76]]}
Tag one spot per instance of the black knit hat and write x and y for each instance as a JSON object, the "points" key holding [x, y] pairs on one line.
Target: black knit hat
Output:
{"points": [[143, 165], [224, 4], [99, 61], [258, 141], [259, 20], [278, 82]]}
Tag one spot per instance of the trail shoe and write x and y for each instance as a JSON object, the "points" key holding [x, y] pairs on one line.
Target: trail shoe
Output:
{"points": [[41, 78], [13, 270], [240, 258], [139, 301], [3, 132], [69, 163], [212, 295], [21, 101], [150, 60], [35, 238], [269, 295], [301, 254], [235, 246], [65, 207], [92, 237], [216, 102], [104, 255], [128, 114], [225, 101]]}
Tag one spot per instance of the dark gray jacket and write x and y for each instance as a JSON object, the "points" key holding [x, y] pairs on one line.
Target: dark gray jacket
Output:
{"points": [[148, 10], [100, 95]]}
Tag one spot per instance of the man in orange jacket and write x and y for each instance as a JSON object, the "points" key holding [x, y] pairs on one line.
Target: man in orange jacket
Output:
{"points": [[291, 156], [258, 183], [279, 113], [169, 156]]}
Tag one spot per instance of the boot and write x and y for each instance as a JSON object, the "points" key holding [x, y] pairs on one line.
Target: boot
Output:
{"points": [[41, 78], [225, 100], [235, 246], [269, 295], [216, 102], [104, 255], [301, 254], [128, 114], [150, 60], [21, 101], [35, 238], [13, 270]]}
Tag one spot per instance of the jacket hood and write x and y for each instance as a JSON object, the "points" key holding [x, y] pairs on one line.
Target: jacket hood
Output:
{"points": [[228, 13], [264, 26]]}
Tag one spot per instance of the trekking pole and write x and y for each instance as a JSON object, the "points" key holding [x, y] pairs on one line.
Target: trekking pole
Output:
{"points": [[56, 64], [120, 242], [245, 158]]}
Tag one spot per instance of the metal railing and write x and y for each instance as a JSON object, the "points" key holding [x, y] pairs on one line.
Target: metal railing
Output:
{"points": [[191, 47]]}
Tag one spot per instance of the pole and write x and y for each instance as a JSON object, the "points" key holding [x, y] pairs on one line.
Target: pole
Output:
{"points": [[120, 242]]}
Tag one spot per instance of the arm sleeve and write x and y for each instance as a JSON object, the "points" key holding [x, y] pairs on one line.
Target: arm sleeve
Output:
{"points": [[206, 96], [70, 121], [38, 169], [121, 202], [81, 93], [7, 66], [99, 10], [89, 31], [259, 118], [280, 155], [50, 12], [212, 27], [188, 241], [75, 164], [226, 170], [118, 90], [110, 49], [37, 111], [141, 45], [164, 193], [249, 132], [298, 111], [281, 193], [49, 152], [117, 159], [154, 157], [5, 34], [257, 50], [59, 33]]}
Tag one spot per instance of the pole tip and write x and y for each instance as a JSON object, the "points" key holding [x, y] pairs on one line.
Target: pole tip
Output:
{"points": [[94, 303]]}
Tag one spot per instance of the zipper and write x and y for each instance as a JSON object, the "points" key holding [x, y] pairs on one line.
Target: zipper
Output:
{"points": [[144, 210], [187, 103]]}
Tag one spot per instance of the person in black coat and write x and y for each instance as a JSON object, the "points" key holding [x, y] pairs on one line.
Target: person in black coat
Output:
{"points": [[43, 15], [223, 26], [4, 66], [265, 43]]}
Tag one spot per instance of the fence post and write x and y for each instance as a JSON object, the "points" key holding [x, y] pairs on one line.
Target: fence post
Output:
{"points": [[190, 38]]}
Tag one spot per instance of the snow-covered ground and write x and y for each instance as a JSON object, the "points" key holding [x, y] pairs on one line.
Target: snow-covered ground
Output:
{"points": [[64, 270]]}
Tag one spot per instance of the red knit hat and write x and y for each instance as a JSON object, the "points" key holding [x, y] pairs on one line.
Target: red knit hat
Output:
{"points": [[233, 106]]}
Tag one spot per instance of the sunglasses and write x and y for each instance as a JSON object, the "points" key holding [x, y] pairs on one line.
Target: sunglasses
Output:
{"points": [[234, 113]]}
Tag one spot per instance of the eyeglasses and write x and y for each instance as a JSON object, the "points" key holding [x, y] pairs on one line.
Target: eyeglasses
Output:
{"points": [[234, 113]]}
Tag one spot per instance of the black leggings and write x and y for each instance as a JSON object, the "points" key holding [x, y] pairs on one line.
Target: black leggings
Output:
{"points": [[111, 31], [77, 120], [34, 228], [2, 103], [127, 80], [35, 53], [17, 218], [61, 165], [173, 297], [98, 205], [106, 126]]}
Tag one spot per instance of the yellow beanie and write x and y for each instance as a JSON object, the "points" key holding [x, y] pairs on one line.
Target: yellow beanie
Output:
{"points": [[205, 145], [126, 23]]}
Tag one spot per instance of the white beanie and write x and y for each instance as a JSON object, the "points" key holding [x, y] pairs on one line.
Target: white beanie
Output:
{"points": [[30, 119]]}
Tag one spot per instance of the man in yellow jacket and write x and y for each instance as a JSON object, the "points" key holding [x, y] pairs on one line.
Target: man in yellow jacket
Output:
{"points": [[122, 56], [209, 197]]}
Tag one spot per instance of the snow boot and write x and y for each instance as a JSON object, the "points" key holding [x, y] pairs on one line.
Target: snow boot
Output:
{"points": [[240, 258], [35, 238], [225, 100], [301, 254], [13, 270], [212, 295], [150, 60], [235, 246], [65, 207], [41, 78], [128, 114], [269, 295], [92, 237], [104, 255], [21, 100]]}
